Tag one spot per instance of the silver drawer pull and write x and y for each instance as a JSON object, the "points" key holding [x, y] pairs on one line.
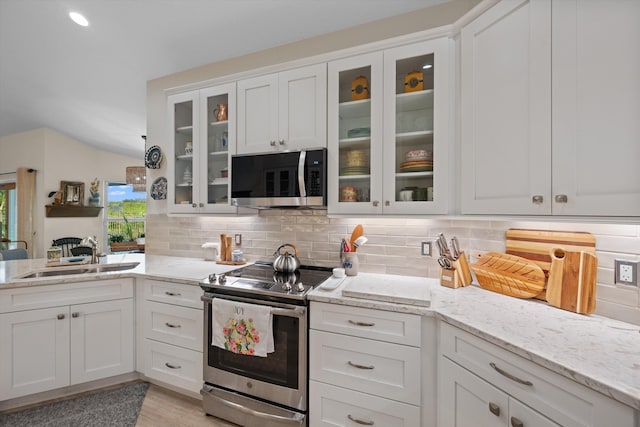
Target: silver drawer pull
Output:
{"points": [[510, 376], [358, 421], [516, 422], [172, 294], [171, 325], [60, 316], [353, 322], [169, 365], [359, 366], [494, 409]]}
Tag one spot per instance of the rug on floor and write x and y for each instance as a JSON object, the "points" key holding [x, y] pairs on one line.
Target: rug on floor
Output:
{"points": [[113, 407]]}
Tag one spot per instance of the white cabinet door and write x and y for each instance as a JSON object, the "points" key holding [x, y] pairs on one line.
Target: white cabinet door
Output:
{"points": [[596, 107], [258, 114], [505, 110], [466, 400], [101, 340], [34, 351], [283, 111], [303, 108]]}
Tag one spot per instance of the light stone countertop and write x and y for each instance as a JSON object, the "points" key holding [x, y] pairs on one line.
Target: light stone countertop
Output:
{"points": [[600, 353]]}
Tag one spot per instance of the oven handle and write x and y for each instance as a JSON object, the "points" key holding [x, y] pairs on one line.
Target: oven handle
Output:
{"points": [[301, 163], [295, 420], [277, 309]]}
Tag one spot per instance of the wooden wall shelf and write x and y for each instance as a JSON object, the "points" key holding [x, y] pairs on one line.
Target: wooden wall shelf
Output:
{"points": [[72, 211]]}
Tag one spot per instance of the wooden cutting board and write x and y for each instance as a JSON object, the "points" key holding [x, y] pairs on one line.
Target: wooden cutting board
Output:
{"points": [[572, 281], [509, 274], [536, 245]]}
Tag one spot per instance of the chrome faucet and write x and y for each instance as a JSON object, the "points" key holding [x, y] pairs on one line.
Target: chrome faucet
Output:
{"points": [[93, 242]]}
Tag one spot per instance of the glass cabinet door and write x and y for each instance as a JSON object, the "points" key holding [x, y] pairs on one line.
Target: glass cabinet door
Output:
{"points": [[355, 134], [416, 128], [182, 169], [218, 112]]}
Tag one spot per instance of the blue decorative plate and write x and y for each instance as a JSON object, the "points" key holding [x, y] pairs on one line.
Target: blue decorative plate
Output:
{"points": [[153, 157], [158, 189]]}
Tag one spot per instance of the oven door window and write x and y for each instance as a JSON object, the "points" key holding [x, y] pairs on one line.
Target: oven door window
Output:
{"points": [[279, 367]]}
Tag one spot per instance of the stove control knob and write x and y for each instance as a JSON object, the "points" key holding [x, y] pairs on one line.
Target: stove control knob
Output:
{"points": [[286, 286], [222, 279], [300, 287]]}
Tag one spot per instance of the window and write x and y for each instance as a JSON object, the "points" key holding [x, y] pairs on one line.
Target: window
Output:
{"points": [[126, 212], [8, 224]]}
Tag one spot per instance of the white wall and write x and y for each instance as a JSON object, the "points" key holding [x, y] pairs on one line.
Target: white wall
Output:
{"points": [[56, 158]]}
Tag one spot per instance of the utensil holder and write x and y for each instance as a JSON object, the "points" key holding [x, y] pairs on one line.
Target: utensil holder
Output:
{"points": [[461, 267], [351, 263], [449, 278]]}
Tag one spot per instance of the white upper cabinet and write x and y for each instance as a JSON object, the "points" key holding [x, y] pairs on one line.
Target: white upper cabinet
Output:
{"points": [[202, 138], [506, 100], [388, 131], [283, 111], [596, 107], [550, 109]]}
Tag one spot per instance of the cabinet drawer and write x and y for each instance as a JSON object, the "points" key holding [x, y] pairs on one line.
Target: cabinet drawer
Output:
{"points": [[399, 328], [173, 293], [172, 324], [29, 298], [562, 400], [173, 365], [335, 406], [383, 369]]}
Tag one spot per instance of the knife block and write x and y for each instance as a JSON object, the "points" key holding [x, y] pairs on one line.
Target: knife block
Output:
{"points": [[449, 278], [461, 267]]}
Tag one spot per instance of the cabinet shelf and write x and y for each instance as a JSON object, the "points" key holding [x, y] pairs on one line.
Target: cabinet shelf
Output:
{"points": [[222, 123], [185, 129], [362, 142], [53, 211], [414, 137], [355, 109], [412, 101], [184, 157], [218, 153], [355, 177], [413, 174]]}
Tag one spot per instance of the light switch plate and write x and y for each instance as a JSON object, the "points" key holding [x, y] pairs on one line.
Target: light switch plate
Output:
{"points": [[426, 249], [626, 272]]}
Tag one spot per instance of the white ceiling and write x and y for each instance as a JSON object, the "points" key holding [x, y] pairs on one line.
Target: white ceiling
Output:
{"points": [[90, 83]]}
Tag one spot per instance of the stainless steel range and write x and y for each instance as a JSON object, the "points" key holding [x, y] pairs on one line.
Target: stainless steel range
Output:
{"points": [[261, 391]]}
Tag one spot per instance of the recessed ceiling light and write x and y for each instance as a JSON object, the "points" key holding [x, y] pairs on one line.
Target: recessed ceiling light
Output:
{"points": [[426, 66], [79, 19]]}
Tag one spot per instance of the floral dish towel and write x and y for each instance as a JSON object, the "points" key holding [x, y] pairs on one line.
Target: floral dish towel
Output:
{"points": [[242, 328]]}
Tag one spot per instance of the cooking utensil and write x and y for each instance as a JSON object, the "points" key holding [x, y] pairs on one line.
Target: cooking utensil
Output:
{"points": [[444, 248], [572, 281], [445, 263], [357, 232], [287, 262], [359, 242], [509, 275], [455, 248]]}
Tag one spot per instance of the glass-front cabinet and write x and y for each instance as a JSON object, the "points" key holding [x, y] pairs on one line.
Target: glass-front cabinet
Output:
{"points": [[388, 131], [202, 128]]}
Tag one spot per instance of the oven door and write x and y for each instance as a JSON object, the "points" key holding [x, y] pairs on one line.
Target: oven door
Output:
{"points": [[281, 377]]}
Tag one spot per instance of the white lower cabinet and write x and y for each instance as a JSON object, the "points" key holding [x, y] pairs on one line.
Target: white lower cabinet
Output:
{"points": [[172, 329], [364, 367], [480, 384], [44, 348]]}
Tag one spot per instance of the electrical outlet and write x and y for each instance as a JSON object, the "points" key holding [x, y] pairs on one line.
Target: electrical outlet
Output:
{"points": [[238, 239], [626, 272], [426, 249]]}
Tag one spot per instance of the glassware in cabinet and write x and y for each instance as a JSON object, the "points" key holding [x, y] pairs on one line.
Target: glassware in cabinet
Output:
{"points": [[182, 147]]}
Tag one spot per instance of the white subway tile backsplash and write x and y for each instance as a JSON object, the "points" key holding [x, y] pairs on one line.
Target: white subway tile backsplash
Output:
{"points": [[394, 243]]}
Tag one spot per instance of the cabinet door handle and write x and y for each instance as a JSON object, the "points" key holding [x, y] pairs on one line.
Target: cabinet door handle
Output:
{"points": [[354, 322], [60, 316], [561, 198], [359, 366], [172, 294], [375, 203], [202, 205], [272, 143], [171, 325], [516, 422], [387, 203], [194, 205], [494, 409], [510, 376], [281, 142], [76, 314], [169, 365], [359, 421], [537, 200]]}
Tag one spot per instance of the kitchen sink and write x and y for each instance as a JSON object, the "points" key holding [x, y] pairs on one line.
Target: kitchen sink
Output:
{"points": [[72, 271]]}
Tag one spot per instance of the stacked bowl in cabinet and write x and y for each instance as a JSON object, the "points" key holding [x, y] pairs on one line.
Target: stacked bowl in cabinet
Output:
{"points": [[173, 325], [364, 367]]}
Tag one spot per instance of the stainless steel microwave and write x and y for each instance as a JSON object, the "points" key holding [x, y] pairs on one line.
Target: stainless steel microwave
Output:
{"points": [[285, 179]]}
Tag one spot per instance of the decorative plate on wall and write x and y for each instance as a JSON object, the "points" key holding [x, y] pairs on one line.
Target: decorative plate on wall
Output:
{"points": [[153, 157], [158, 189]]}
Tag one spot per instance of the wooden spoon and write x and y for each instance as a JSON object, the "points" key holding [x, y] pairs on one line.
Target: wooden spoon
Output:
{"points": [[357, 232]]}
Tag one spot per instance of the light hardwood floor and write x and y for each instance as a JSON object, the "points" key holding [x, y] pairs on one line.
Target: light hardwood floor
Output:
{"points": [[164, 407]]}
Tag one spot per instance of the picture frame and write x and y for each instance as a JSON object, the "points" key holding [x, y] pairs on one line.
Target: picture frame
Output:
{"points": [[72, 193]]}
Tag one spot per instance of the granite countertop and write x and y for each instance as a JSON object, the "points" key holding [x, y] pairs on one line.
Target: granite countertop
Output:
{"points": [[600, 353]]}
